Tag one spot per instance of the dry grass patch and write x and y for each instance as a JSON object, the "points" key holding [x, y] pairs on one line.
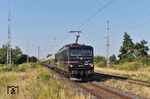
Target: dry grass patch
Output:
{"points": [[129, 87], [36, 83], [140, 74]]}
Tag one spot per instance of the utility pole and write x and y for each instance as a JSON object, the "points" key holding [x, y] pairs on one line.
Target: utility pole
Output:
{"points": [[38, 53], [27, 51], [9, 58], [107, 44], [77, 33]]}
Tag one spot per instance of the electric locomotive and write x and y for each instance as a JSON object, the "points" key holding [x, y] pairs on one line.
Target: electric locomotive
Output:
{"points": [[76, 60]]}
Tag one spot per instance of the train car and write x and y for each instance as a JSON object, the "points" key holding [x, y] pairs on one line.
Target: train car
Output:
{"points": [[49, 61], [76, 60]]}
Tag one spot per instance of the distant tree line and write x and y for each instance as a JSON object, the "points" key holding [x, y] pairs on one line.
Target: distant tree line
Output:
{"points": [[130, 52], [17, 56]]}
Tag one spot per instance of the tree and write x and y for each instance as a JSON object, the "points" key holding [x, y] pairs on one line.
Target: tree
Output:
{"points": [[3, 54], [33, 59], [16, 53], [141, 50], [99, 58], [17, 56], [21, 59], [113, 59], [100, 61], [127, 49]]}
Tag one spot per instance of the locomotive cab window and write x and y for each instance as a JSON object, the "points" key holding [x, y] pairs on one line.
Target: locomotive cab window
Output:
{"points": [[86, 52], [80, 52], [75, 52]]}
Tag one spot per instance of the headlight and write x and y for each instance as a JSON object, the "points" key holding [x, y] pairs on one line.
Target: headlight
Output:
{"points": [[91, 65], [71, 65]]}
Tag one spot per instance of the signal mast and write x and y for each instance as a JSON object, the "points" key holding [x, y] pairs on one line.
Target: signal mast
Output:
{"points": [[77, 33]]}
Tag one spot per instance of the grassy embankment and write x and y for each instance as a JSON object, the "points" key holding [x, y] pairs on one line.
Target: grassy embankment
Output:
{"points": [[132, 70], [35, 82]]}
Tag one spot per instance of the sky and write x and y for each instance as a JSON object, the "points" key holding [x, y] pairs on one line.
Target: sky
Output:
{"points": [[46, 23]]}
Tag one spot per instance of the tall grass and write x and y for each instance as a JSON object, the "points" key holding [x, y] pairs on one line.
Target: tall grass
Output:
{"points": [[35, 82], [130, 70], [129, 87], [139, 74], [128, 66]]}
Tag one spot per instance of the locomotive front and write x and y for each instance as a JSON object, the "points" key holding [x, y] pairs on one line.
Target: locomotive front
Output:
{"points": [[81, 62]]}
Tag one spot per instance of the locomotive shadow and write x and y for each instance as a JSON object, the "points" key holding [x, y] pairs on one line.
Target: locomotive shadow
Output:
{"points": [[99, 77]]}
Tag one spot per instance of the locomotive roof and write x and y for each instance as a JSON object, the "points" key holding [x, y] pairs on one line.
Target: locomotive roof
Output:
{"points": [[77, 45], [73, 45]]}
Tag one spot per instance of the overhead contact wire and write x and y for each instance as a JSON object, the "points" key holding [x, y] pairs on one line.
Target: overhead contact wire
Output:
{"points": [[96, 13]]}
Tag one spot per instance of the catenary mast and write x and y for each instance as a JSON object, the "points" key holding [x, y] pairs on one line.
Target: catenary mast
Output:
{"points": [[107, 44], [9, 58]]}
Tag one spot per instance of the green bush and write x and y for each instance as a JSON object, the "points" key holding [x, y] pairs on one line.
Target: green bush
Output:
{"points": [[99, 61], [149, 80], [34, 65], [100, 64], [43, 74], [6, 68], [20, 69], [16, 68], [145, 61], [128, 66]]}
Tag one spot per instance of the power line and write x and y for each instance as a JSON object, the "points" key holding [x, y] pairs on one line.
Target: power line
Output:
{"points": [[123, 28], [86, 11], [133, 21], [138, 25], [96, 13], [130, 14]]}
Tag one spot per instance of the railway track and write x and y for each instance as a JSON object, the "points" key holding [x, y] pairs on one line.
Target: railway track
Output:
{"points": [[103, 76], [97, 91], [102, 92]]}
